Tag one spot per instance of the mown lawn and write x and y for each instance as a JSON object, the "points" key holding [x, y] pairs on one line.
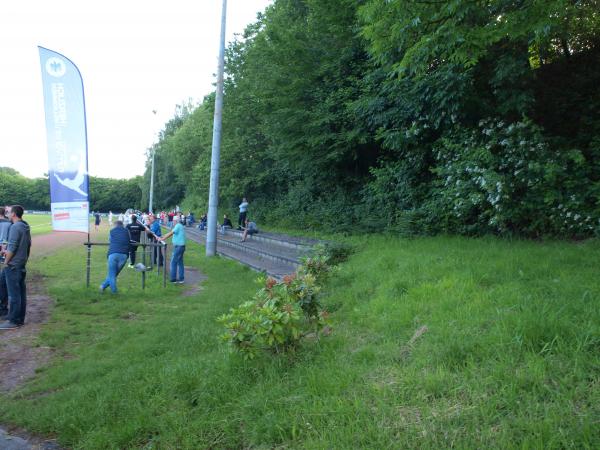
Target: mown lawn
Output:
{"points": [[39, 223], [510, 356]]}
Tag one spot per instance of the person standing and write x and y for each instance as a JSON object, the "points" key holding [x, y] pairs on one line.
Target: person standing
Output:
{"points": [[177, 269], [97, 220], [4, 226], [243, 213], [110, 219], [118, 250], [15, 259], [135, 233], [154, 234]]}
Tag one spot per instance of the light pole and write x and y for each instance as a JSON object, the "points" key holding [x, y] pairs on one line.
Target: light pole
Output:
{"points": [[213, 198], [152, 174]]}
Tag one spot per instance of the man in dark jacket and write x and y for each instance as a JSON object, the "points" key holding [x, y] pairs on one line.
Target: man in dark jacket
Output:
{"points": [[117, 255], [135, 232], [15, 260]]}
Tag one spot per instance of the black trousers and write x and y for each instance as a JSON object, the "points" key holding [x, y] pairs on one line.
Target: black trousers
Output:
{"points": [[157, 253], [132, 253], [242, 219]]}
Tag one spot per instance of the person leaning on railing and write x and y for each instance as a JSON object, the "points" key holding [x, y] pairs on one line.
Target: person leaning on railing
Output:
{"points": [[118, 252]]}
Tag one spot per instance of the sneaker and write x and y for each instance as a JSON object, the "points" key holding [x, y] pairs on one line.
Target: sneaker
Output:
{"points": [[101, 289], [130, 266], [180, 282], [8, 325], [173, 281]]}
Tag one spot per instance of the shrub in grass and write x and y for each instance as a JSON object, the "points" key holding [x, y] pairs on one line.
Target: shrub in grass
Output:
{"points": [[281, 314]]}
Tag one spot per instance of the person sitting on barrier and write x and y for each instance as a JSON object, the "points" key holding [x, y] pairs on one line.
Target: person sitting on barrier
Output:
{"points": [[135, 231], [176, 268], [117, 255], [226, 224], [250, 228], [203, 222]]}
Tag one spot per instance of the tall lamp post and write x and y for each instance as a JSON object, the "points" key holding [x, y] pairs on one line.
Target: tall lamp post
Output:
{"points": [[152, 174], [213, 198]]}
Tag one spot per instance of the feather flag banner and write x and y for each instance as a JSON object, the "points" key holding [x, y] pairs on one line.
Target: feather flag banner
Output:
{"points": [[66, 136]]}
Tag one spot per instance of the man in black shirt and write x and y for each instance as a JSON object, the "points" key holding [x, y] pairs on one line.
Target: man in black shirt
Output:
{"points": [[135, 231]]}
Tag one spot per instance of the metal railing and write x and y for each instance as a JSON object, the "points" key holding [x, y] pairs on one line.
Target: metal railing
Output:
{"points": [[145, 244]]}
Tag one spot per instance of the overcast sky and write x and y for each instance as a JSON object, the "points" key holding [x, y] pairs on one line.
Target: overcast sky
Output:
{"points": [[134, 56]]}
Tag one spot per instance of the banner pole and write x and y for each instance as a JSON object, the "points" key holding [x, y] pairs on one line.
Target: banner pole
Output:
{"points": [[89, 259]]}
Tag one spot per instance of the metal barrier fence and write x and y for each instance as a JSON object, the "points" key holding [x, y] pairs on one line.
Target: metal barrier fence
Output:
{"points": [[145, 244]]}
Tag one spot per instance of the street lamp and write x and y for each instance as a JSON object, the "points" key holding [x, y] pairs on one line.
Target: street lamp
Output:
{"points": [[213, 197], [152, 174]]}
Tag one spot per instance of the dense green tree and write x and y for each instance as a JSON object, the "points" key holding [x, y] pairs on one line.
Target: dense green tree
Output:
{"points": [[400, 114]]}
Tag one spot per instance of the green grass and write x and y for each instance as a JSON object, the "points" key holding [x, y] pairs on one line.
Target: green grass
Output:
{"points": [[511, 356], [39, 223]]}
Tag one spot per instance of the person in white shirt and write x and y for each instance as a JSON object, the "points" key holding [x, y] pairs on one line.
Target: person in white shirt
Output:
{"points": [[243, 213]]}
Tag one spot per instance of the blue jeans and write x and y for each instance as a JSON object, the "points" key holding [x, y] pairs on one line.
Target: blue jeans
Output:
{"points": [[116, 262], [3, 295], [176, 269], [17, 295]]}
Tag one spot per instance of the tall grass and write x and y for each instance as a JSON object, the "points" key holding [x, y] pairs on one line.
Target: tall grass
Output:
{"points": [[510, 356]]}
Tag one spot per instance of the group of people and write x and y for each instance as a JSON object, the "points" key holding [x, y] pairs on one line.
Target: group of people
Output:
{"points": [[15, 247], [124, 240], [168, 218], [244, 223], [125, 237]]}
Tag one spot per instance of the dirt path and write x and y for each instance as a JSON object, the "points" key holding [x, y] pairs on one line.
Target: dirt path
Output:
{"points": [[19, 354]]}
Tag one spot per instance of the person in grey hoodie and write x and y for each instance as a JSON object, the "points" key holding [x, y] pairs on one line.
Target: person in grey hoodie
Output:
{"points": [[16, 256], [4, 226]]}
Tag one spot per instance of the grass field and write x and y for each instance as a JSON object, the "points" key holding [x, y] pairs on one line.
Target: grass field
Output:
{"points": [[510, 356], [39, 223]]}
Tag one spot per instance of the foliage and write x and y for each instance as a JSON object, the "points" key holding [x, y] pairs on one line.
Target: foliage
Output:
{"points": [[281, 313], [15, 189], [505, 178], [34, 194], [341, 116], [109, 194]]}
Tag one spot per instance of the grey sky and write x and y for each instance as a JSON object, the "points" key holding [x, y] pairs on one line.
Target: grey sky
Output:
{"points": [[134, 57]]}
